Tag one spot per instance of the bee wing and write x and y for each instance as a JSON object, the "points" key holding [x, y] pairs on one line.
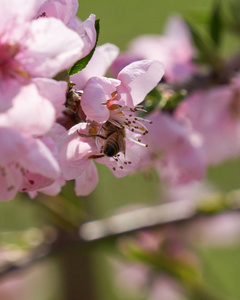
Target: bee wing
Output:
{"points": [[121, 143]]}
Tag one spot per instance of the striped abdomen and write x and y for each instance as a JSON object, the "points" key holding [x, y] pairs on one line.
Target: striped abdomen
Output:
{"points": [[111, 146]]}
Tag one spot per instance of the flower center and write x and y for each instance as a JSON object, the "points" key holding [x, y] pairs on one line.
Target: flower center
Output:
{"points": [[9, 66]]}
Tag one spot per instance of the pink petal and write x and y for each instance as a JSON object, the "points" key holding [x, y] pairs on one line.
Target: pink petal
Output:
{"points": [[54, 91], [54, 188], [87, 32], [10, 182], [65, 10], [39, 159], [138, 79], [98, 65], [30, 113], [17, 11], [75, 150], [97, 92], [8, 90], [122, 61], [215, 121], [173, 150], [87, 181], [51, 48]]}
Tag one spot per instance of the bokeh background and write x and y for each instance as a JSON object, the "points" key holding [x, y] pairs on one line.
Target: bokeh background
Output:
{"points": [[120, 21]]}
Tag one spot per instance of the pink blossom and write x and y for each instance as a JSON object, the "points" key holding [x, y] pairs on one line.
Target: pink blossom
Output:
{"points": [[107, 104], [114, 101], [129, 89], [166, 288], [213, 115], [32, 48], [174, 49], [172, 150], [28, 161], [24, 160]]}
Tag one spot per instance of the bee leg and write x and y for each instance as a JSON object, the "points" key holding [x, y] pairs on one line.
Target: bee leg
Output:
{"points": [[91, 135], [95, 156]]}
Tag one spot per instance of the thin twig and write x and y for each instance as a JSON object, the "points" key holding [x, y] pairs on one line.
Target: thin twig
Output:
{"points": [[148, 217]]}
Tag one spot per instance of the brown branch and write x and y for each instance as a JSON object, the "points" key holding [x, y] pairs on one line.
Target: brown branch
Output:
{"points": [[203, 80]]}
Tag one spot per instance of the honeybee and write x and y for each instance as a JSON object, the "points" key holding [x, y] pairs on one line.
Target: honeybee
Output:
{"points": [[114, 140]]}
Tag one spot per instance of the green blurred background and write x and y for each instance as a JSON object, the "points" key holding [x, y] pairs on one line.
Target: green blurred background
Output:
{"points": [[121, 21]]}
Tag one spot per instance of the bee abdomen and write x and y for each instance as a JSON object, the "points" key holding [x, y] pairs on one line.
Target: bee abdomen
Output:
{"points": [[111, 147]]}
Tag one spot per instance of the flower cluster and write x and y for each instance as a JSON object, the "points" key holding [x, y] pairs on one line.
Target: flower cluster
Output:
{"points": [[54, 130], [38, 40]]}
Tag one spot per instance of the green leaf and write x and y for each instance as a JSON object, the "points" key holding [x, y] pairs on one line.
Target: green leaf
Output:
{"points": [[152, 101], [207, 50], [81, 64], [216, 24]]}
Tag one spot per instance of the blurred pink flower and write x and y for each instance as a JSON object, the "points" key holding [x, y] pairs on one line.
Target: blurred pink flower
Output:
{"points": [[166, 288], [172, 151], [174, 49], [214, 116]]}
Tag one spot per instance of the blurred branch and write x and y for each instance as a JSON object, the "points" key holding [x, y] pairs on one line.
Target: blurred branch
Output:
{"points": [[112, 227], [163, 214], [210, 77]]}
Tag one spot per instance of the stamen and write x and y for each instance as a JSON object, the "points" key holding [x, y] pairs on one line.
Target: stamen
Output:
{"points": [[137, 142]]}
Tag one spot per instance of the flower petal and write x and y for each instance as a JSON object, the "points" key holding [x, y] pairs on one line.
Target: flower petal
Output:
{"points": [[30, 113], [87, 32], [87, 181], [51, 48], [98, 65], [75, 150], [54, 91], [138, 79], [97, 92]]}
